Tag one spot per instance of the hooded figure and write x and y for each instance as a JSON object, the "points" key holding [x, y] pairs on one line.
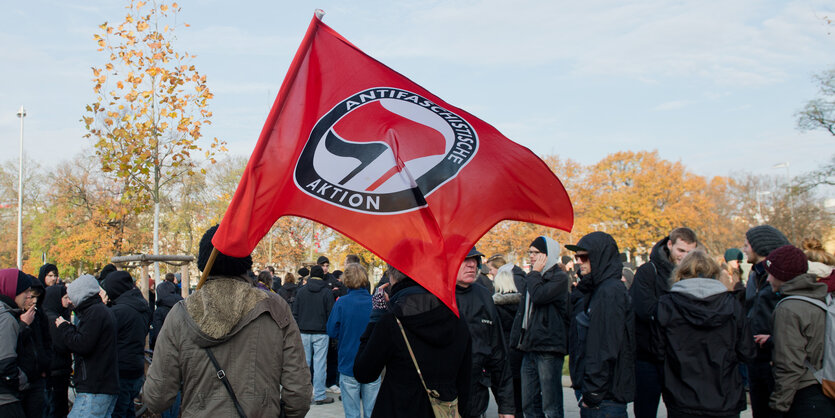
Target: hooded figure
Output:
{"points": [[606, 347], [14, 290], [45, 271], [250, 333], [701, 336], [58, 380], [540, 329], [311, 309], [133, 317], [167, 296]]}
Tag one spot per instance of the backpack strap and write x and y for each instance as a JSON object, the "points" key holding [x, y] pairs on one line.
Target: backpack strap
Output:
{"points": [[813, 301], [222, 376], [414, 360]]}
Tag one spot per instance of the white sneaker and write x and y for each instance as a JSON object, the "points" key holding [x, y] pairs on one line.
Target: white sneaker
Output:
{"points": [[334, 389]]}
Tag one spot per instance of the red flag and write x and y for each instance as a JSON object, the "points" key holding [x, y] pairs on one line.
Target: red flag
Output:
{"points": [[354, 145]]}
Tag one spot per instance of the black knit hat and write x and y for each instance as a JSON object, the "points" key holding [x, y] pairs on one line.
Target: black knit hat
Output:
{"points": [[224, 265], [117, 283], [322, 260], [304, 272], [24, 281], [765, 239], [317, 271], [786, 263], [110, 268], [539, 244]]}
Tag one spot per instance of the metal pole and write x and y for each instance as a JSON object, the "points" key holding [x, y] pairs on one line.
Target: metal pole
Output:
{"points": [[21, 114]]}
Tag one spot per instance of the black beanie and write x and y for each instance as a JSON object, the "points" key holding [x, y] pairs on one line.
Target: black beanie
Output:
{"points": [[304, 272], [322, 260], [117, 283], [317, 271], [765, 238], [23, 282], [539, 244], [224, 265], [110, 268]]}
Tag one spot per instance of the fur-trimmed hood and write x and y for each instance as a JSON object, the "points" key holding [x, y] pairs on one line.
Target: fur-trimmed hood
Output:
{"points": [[222, 307]]}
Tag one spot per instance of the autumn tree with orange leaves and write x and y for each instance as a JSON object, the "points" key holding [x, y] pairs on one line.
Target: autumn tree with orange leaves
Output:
{"points": [[151, 104]]}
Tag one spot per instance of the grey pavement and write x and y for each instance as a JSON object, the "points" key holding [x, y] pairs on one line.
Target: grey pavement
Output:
{"points": [[334, 410]]}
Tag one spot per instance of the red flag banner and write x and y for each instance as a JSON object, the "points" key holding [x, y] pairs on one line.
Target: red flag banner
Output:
{"points": [[354, 145]]}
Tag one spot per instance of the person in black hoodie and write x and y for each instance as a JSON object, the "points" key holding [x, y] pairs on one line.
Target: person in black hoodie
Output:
{"points": [[489, 365], [651, 281], [167, 296], [439, 340], [93, 341], [540, 330], [760, 301], [56, 304], [606, 346], [288, 290], [37, 354], [314, 302], [701, 336], [133, 316]]}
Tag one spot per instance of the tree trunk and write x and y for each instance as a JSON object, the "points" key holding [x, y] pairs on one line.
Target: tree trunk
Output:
{"points": [[156, 240]]}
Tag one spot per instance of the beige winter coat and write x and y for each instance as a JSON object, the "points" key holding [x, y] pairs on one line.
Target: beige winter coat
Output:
{"points": [[256, 342], [799, 331]]}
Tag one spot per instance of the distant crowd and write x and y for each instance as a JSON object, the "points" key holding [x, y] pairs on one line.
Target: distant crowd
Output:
{"points": [[685, 326]]}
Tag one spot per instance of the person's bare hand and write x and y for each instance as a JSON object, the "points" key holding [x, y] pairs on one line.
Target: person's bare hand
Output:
{"points": [[28, 316], [59, 320], [761, 339], [539, 262]]}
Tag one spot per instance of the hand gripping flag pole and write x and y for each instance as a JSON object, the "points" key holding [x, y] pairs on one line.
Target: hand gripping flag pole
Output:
{"points": [[358, 147]]}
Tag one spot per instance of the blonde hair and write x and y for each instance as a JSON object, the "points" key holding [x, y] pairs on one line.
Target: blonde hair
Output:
{"points": [[814, 251], [503, 282], [496, 261], [289, 278], [355, 276], [696, 264]]}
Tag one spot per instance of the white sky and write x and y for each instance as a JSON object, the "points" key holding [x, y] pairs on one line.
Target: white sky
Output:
{"points": [[715, 84]]}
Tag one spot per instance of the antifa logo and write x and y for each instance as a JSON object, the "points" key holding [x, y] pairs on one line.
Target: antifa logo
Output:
{"points": [[382, 151]]}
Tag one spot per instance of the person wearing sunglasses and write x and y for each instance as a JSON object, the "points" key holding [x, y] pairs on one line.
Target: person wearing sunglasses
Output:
{"points": [[604, 353], [540, 330]]}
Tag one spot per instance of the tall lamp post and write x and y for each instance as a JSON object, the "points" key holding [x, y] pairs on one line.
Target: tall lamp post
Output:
{"points": [[21, 114], [791, 192]]}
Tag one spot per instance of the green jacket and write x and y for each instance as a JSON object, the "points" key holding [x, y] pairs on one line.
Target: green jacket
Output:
{"points": [[799, 333], [256, 342]]}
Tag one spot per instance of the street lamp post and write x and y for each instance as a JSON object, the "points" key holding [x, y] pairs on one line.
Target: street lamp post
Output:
{"points": [[759, 206], [21, 114], [791, 192]]}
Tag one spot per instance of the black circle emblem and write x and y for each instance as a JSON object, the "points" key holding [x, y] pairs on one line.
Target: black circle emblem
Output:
{"points": [[383, 151]]}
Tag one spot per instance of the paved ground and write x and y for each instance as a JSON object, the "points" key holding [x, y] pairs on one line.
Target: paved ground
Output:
{"points": [[334, 410]]}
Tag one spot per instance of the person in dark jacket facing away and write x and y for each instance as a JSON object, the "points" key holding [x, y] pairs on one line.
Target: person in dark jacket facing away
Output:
{"points": [[288, 289], [57, 304], [651, 281], [132, 315], [15, 294], [93, 341], [506, 298], [760, 300], [167, 296], [314, 302], [540, 330], [799, 336], [490, 367], [607, 343], [702, 336], [439, 340]]}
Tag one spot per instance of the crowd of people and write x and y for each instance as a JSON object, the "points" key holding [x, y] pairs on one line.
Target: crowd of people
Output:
{"points": [[685, 326]]}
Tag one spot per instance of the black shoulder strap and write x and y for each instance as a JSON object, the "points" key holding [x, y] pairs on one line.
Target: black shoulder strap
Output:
{"points": [[222, 376]]}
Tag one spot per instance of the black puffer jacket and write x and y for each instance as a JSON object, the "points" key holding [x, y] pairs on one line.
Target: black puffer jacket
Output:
{"points": [[652, 280], [490, 367], [167, 297], [607, 344], [94, 343], [62, 358], [701, 335], [132, 323], [313, 305], [760, 302], [441, 344]]}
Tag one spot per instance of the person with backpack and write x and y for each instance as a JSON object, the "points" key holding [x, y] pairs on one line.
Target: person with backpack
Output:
{"points": [[799, 336]]}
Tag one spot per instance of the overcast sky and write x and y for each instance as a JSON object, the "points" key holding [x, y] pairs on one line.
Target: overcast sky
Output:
{"points": [[714, 84]]}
